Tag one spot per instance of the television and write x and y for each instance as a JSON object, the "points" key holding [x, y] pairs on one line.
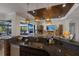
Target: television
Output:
{"points": [[30, 28], [51, 27]]}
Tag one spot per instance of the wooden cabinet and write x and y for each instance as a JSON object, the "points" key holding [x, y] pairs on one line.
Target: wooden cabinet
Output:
{"points": [[60, 30], [15, 50], [40, 29], [4, 47]]}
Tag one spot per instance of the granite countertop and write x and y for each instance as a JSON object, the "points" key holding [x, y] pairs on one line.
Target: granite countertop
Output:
{"points": [[68, 41], [51, 49], [30, 44], [5, 37]]}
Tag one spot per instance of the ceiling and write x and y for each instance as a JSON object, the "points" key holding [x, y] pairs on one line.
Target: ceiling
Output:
{"points": [[21, 8], [74, 14], [56, 11]]}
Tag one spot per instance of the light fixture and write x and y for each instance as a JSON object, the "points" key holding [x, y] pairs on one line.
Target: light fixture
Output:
{"points": [[37, 20], [47, 19], [49, 22], [33, 11], [64, 5], [27, 21]]}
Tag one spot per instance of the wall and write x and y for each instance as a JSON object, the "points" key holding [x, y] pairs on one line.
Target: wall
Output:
{"points": [[15, 22], [65, 23], [76, 21], [57, 22]]}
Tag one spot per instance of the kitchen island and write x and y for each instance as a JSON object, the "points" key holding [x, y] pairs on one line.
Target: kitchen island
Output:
{"points": [[5, 46], [39, 48]]}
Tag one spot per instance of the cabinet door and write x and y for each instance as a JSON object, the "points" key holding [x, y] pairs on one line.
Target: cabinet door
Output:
{"points": [[1, 47], [15, 50]]}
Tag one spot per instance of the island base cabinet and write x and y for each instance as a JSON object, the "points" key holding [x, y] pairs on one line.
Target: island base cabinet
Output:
{"points": [[4, 48], [15, 50]]}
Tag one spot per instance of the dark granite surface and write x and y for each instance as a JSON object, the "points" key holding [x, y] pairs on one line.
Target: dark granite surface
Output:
{"points": [[53, 50], [75, 43]]}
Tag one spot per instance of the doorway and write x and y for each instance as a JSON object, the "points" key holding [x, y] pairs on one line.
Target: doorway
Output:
{"points": [[72, 29]]}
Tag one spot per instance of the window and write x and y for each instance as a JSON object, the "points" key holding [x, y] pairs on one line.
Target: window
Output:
{"points": [[30, 28], [26, 29], [5, 27], [23, 29]]}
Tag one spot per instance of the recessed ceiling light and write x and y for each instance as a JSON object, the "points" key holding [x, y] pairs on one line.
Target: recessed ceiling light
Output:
{"points": [[47, 19], [64, 5], [37, 20], [33, 11]]}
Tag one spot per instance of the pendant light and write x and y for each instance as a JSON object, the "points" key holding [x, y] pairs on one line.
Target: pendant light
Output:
{"points": [[27, 21]]}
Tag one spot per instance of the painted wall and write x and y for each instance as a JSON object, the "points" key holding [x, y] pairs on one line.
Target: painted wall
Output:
{"points": [[65, 24], [76, 21], [15, 19]]}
